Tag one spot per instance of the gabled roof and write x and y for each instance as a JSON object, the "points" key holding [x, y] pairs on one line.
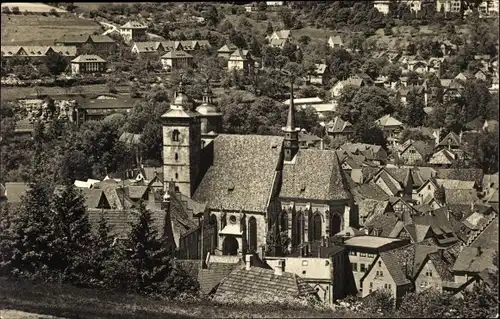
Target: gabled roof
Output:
{"points": [[133, 25], [395, 269], [282, 34], [172, 45], [442, 157], [460, 196], [383, 223], [278, 42], [388, 121], [372, 207], [471, 260], [239, 54], [369, 191], [423, 148], [215, 272], [258, 282], [87, 58], [315, 174], [451, 139], [228, 47], [337, 125], [488, 237], [335, 39], [149, 46], [232, 182]]}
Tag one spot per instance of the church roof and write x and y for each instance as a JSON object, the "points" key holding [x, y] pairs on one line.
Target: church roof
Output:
{"points": [[243, 173], [316, 174]]}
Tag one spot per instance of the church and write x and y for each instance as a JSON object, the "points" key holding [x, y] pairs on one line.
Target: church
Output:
{"points": [[252, 184]]}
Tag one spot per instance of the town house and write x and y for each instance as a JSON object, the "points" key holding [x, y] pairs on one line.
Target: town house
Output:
{"points": [[133, 31]]}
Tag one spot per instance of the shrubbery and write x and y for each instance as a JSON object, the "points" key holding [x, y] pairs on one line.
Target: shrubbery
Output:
{"points": [[51, 240]]}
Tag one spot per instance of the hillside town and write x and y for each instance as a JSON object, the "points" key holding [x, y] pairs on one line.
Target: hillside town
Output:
{"points": [[344, 153]]}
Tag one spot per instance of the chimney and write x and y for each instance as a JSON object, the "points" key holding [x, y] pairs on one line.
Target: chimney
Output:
{"points": [[479, 251], [472, 207], [322, 144], [278, 269], [248, 261]]}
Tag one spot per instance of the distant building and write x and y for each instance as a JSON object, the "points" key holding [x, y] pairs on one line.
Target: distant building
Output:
{"points": [[448, 6], [100, 44], [133, 31], [319, 265], [335, 42], [338, 127], [382, 6], [36, 51], [391, 126], [240, 60], [226, 50], [363, 251], [88, 64], [175, 60]]}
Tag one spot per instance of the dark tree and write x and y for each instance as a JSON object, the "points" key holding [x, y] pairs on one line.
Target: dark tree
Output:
{"points": [[74, 242]]}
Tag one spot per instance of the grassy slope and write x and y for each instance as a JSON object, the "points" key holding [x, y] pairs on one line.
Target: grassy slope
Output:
{"points": [[41, 30], [70, 302]]}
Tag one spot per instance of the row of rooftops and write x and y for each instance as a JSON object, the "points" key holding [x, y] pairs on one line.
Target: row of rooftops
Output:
{"points": [[36, 50]]}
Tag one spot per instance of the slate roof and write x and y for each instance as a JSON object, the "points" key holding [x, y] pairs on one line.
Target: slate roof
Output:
{"points": [[452, 139], [172, 45], [460, 196], [243, 172], [423, 148], [228, 47], [148, 46], [421, 253], [211, 277], [315, 174], [133, 25], [383, 223], [488, 239], [88, 58], [455, 184], [369, 207], [388, 121], [118, 103], [395, 269], [437, 220], [337, 125], [449, 157], [370, 191], [471, 262], [258, 282], [468, 174]]}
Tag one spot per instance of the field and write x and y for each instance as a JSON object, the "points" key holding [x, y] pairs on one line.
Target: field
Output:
{"points": [[70, 302], [42, 30], [13, 93], [31, 7]]}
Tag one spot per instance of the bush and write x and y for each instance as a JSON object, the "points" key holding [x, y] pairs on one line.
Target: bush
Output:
{"points": [[15, 10], [54, 12], [6, 10]]}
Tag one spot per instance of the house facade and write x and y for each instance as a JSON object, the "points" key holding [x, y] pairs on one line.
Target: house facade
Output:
{"points": [[175, 60], [88, 64], [133, 32]]}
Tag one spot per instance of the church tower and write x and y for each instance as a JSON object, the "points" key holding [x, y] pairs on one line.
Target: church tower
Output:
{"points": [[181, 144], [291, 146], [210, 117]]}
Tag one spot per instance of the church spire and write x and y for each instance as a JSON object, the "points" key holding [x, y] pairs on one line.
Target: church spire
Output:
{"points": [[291, 132], [290, 120]]}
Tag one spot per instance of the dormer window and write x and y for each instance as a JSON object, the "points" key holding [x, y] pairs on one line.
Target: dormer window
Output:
{"points": [[175, 135], [302, 187], [230, 187]]}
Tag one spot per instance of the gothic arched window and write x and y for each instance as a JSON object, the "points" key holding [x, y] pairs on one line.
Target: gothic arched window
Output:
{"points": [[317, 223], [175, 135], [284, 221], [176, 156], [252, 234]]}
